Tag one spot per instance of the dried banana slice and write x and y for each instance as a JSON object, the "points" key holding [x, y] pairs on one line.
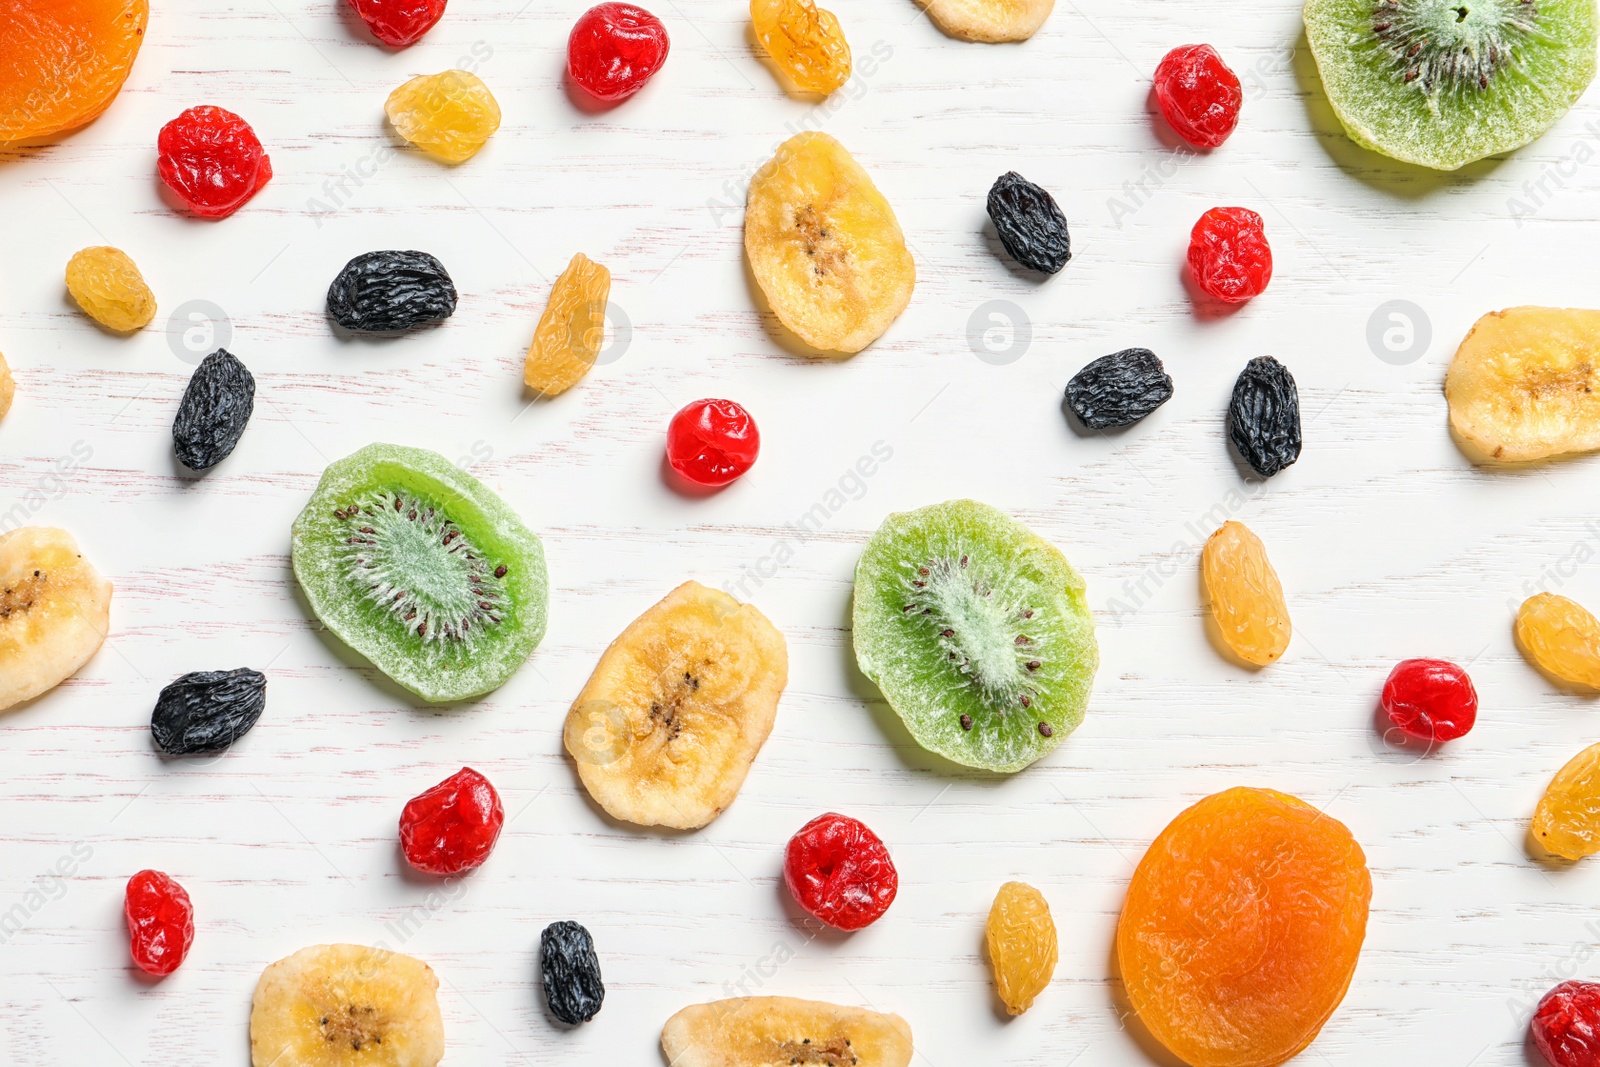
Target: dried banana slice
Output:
{"points": [[673, 716], [8, 387], [55, 610], [765, 1031], [346, 1006], [990, 21], [825, 247]]}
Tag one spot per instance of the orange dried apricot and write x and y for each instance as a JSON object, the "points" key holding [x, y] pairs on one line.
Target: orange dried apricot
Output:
{"points": [[62, 62], [1242, 927], [1567, 820], [1246, 596], [571, 330]]}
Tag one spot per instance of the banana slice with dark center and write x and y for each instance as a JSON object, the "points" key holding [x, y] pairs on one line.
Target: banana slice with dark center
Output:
{"points": [[55, 611], [779, 1031]]}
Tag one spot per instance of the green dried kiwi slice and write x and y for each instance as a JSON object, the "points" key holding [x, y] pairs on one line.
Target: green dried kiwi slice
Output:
{"points": [[977, 631], [423, 570]]}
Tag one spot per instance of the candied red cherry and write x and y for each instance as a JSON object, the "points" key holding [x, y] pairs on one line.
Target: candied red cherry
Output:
{"points": [[712, 442], [452, 827], [614, 49], [1198, 95], [399, 22], [212, 160], [160, 922], [840, 872], [1430, 699], [1229, 255], [1566, 1025]]}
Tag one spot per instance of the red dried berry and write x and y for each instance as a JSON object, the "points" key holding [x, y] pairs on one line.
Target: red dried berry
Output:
{"points": [[213, 160], [160, 922], [840, 872], [1566, 1025], [399, 22], [614, 49], [1198, 95], [452, 827], [1430, 699], [1229, 255], [712, 442]]}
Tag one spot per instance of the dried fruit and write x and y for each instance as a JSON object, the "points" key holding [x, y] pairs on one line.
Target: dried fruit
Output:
{"points": [[977, 631], [1021, 938], [1229, 256], [212, 160], [449, 116], [346, 1006], [1561, 638], [8, 387], [1264, 416], [1246, 596], [805, 41], [419, 567], [215, 409], [390, 291], [825, 247], [1567, 820], [712, 442], [990, 21], [1119, 389], [1525, 383], [570, 973], [1030, 223], [677, 709], [452, 827], [160, 922], [1242, 927], [55, 611], [62, 62], [1198, 95], [571, 330], [110, 289], [1430, 699], [207, 711], [839, 872], [614, 49], [1442, 83], [752, 1031], [398, 23], [1566, 1025]]}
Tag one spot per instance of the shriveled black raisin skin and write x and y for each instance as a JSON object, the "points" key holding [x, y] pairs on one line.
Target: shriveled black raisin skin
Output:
{"points": [[570, 971], [1264, 416], [215, 409], [208, 710], [390, 292], [1119, 389], [1030, 223]]}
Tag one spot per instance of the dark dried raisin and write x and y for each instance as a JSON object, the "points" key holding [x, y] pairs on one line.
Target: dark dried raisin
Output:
{"points": [[387, 292], [1030, 224], [1119, 389], [571, 972], [216, 408], [208, 710], [1264, 416]]}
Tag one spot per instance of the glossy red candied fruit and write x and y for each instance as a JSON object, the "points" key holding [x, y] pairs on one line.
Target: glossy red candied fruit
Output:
{"points": [[712, 442], [1229, 255], [840, 872], [452, 827], [1198, 95], [1566, 1025], [1430, 699], [212, 160], [160, 922], [614, 49], [399, 22]]}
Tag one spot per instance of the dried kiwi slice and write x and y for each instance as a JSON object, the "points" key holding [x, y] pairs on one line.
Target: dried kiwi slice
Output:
{"points": [[423, 570], [977, 631]]}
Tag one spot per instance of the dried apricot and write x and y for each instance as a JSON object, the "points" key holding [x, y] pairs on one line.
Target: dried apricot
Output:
{"points": [[1561, 638], [62, 62], [449, 116], [1242, 927], [1567, 820], [805, 42], [110, 290], [1021, 937], [1246, 596], [571, 330]]}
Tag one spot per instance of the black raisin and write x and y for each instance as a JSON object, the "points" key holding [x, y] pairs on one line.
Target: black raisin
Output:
{"points": [[1119, 389], [216, 408], [1264, 416], [571, 972], [208, 710], [1030, 225], [387, 292]]}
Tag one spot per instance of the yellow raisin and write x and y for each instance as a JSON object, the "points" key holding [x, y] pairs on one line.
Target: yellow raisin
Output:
{"points": [[110, 289], [1561, 638], [805, 42], [1022, 945], [1246, 597], [1567, 820], [571, 329], [448, 115], [8, 387]]}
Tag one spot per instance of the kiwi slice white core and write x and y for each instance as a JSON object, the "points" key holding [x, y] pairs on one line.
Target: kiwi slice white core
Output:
{"points": [[1453, 45], [983, 635]]}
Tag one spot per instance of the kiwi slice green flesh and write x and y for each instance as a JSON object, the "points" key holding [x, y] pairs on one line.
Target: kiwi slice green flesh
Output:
{"points": [[977, 631], [1442, 83], [423, 570]]}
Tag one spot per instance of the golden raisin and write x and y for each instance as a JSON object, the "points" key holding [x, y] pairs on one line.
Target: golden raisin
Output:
{"points": [[110, 289], [805, 42], [1567, 820], [8, 387], [448, 115], [571, 329], [1022, 945], [1246, 597], [1561, 638]]}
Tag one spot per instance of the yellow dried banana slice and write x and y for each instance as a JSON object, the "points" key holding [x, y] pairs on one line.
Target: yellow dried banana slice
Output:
{"points": [[55, 611], [990, 21], [770, 1031], [8, 387]]}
